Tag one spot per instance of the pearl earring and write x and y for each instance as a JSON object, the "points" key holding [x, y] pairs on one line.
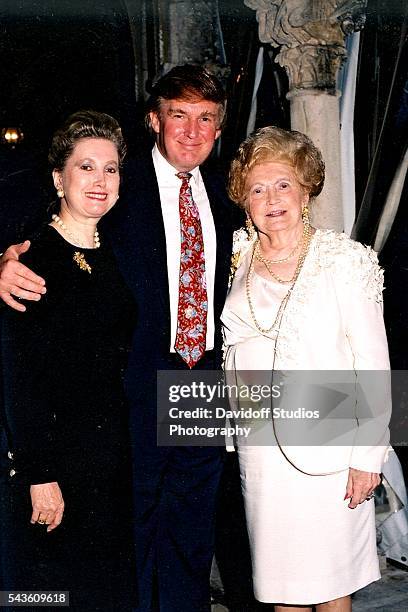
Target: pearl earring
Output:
{"points": [[60, 193]]}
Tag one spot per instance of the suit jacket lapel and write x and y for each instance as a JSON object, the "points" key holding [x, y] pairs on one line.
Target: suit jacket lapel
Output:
{"points": [[138, 237], [142, 245]]}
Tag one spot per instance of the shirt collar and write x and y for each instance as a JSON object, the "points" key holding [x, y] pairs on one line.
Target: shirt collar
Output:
{"points": [[166, 173]]}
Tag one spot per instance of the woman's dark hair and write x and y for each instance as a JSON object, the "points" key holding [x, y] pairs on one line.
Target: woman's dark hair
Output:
{"points": [[84, 124]]}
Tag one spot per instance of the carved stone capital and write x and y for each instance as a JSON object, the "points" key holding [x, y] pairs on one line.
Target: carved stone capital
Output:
{"points": [[312, 66], [311, 36]]}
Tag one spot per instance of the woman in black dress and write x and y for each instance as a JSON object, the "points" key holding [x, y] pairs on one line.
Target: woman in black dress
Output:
{"points": [[68, 503]]}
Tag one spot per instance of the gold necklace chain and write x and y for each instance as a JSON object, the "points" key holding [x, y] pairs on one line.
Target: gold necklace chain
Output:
{"points": [[305, 240], [281, 309], [283, 304], [277, 261], [61, 224]]}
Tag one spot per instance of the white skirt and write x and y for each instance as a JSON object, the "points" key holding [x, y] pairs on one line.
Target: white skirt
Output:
{"points": [[307, 546]]}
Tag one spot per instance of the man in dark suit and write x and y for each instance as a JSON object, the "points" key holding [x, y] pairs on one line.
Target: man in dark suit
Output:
{"points": [[175, 487]]}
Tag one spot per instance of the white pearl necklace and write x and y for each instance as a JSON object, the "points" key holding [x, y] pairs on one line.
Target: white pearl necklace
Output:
{"points": [[59, 221], [278, 319], [267, 262]]}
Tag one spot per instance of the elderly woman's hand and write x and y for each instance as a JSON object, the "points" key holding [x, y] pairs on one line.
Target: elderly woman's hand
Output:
{"points": [[48, 504], [360, 485]]}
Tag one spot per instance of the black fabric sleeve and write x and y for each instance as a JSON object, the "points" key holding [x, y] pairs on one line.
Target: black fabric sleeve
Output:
{"points": [[29, 376]]}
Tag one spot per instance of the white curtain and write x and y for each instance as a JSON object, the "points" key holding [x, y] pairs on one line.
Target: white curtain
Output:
{"points": [[391, 204], [394, 529], [258, 76], [347, 86]]}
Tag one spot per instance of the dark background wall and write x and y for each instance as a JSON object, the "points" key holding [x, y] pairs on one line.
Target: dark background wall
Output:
{"points": [[57, 56], [61, 55]]}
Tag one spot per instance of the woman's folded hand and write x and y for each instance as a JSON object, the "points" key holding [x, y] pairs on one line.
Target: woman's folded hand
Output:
{"points": [[48, 504], [360, 486]]}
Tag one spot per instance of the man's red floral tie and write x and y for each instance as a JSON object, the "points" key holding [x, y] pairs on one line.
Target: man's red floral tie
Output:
{"points": [[192, 304]]}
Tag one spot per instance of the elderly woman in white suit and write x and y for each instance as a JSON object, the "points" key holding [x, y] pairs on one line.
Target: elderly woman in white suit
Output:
{"points": [[305, 299]]}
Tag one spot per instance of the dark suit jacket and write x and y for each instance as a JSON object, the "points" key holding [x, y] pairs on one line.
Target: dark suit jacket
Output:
{"points": [[136, 230]]}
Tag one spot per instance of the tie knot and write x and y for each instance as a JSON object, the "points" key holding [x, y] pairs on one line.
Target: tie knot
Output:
{"points": [[184, 176]]}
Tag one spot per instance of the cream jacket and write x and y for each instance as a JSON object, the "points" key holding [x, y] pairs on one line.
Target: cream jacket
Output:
{"points": [[333, 321]]}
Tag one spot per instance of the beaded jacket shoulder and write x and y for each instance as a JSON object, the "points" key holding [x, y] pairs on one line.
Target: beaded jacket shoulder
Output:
{"points": [[348, 263], [241, 246], [352, 263]]}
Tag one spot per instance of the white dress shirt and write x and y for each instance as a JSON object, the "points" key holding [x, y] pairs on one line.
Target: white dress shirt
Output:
{"points": [[169, 188]]}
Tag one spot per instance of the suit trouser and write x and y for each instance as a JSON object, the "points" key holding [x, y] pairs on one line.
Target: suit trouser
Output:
{"points": [[175, 497], [175, 492]]}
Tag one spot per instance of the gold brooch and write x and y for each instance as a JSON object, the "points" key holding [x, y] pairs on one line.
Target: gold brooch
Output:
{"points": [[235, 257], [80, 260]]}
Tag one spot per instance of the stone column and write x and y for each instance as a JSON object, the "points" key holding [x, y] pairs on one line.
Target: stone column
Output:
{"points": [[194, 34], [311, 35], [170, 32], [137, 19]]}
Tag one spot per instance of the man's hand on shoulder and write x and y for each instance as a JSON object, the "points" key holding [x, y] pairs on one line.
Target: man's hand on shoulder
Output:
{"points": [[18, 281]]}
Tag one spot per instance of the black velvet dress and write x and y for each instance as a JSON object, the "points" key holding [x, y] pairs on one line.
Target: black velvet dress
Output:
{"points": [[66, 421]]}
